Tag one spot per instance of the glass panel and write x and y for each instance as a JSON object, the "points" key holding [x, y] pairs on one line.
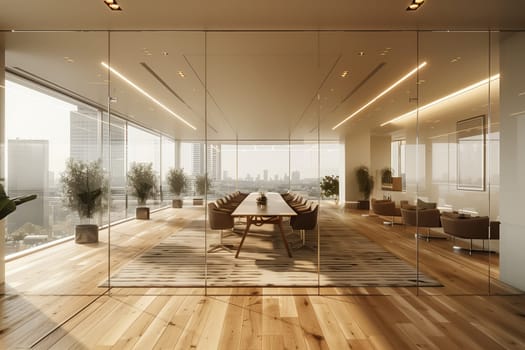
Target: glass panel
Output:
{"points": [[168, 163], [368, 79], [261, 89], [144, 157], [157, 84], [453, 174], [506, 132], [118, 166], [54, 100]]}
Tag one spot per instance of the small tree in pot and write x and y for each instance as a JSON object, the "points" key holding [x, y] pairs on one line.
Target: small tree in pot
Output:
{"points": [[330, 186], [84, 188], [143, 183], [177, 182], [202, 185], [365, 181]]}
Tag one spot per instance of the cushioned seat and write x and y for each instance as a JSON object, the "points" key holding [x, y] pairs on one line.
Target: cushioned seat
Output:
{"points": [[386, 207], [219, 220], [426, 218], [306, 220], [470, 227]]}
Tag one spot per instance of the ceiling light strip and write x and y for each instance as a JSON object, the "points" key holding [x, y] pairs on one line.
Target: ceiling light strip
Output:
{"points": [[387, 90], [153, 99], [442, 99]]}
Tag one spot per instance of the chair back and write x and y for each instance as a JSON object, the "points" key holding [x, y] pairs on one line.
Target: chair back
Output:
{"points": [[306, 220], [217, 219]]}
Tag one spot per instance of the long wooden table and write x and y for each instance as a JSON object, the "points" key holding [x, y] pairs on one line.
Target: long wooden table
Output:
{"points": [[272, 213]]}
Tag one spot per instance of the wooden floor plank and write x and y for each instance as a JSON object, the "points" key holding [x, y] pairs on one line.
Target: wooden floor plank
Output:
{"points": [[253, 318]]}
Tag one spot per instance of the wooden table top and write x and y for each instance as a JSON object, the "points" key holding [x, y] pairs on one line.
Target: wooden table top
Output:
{"points": [[275, 206]]}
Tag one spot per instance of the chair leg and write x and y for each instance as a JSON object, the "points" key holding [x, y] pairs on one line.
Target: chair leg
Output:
{"points": [[220, 246], [428, 237]]}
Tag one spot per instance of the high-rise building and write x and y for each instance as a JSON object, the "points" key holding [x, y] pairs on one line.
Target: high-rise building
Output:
{"points": [[85, 133], [27, 173], [213, 168]]}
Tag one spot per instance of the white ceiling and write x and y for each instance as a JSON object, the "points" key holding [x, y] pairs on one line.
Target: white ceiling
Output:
{"points": [[261, 85], [269, 14]]}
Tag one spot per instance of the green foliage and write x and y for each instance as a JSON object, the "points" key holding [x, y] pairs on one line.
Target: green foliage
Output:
{"points": [[365, 181], [177, 181], [202, 184], [330, 186], [386, 175], [84, 187], [142, 181]]}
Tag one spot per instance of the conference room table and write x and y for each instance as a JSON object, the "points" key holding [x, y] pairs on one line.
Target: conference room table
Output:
{"points": [[273, 212]]}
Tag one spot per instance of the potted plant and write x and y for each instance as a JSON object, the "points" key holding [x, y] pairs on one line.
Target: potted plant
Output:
{"points": [[386, 177], [330, 187], [202, 184], [177, 182], [366, 183], [84, 189], [389, 182], [143, 183]]}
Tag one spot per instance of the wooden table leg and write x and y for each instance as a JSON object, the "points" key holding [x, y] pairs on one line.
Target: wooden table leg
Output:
{"points": [[248, 223], [280, 222]]}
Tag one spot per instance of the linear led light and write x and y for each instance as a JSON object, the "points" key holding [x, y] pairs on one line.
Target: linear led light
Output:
{"points": [[405, 77], [153, 99], [442, 99]]}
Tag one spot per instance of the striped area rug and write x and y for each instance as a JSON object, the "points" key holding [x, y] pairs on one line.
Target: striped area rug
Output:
{"points": [[348, 259]]}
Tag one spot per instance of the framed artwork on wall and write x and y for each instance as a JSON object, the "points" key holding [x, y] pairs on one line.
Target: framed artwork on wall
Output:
{"points": [[471, 154]]}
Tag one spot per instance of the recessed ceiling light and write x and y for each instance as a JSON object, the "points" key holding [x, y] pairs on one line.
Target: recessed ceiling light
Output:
{"points": [[415, 5], [455, 59], [143, 92], [181, 74], [361, 53], [402, 79], [112, 4], [344, 74], [165, 53]]}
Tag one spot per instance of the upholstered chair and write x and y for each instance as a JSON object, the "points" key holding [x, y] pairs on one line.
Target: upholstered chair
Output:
{"points": [[306, 220], [470, 228], [219, 220], [386, 208], [422, 218]]}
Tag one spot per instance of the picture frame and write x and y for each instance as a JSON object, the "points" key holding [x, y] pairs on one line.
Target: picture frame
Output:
{"points": [[471, 144]]}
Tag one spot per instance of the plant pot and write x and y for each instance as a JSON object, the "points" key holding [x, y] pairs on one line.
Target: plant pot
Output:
{"points": [[363, 204], [87, 233], [198, 201], [142, 213], [176, 203]]}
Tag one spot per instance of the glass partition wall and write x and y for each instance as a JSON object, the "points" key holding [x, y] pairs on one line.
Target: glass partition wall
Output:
{"points": [[283, 112]]}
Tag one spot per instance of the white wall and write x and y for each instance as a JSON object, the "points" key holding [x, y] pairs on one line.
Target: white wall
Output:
{"points": [[512, 155]]}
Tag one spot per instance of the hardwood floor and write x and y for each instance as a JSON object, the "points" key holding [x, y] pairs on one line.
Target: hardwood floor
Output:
{"points": [[52, 300]]}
